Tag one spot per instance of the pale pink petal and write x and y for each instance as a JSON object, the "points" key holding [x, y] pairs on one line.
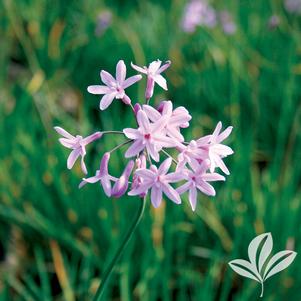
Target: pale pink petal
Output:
{"points": [[156, 196], [151, 113], [184, 187], [134, 149], [219, 162], [90, 180], [66, 142], [121, 185], [132, 133], [106, 185], [131, 80], [153, 151], [154, 66], [120, 72], [192, 197], [103, 169], [139, 69], [167, 108], [143, 121], [161, 81], [106, 100], [209, 177], [175, 133], [159, 124], [63, 132], [141, 189], [72, 158], [92, 138], [107, 78], [145, 174], [216, 132], [96, 89], [203, 141], [225, 134], [206, 188], [164, 67], [222, 150], [174, 177], [150, 84], [83, 165], [164, 167], [171, 193]]}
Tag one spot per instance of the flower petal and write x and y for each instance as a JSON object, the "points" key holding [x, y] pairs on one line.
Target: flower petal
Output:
{"points": [[66, 142], [72, 158], [139, 69], [107, 78], [151, 113], [184, 187], [171, 193], [63, 132], [192, 197], [225, 134], [120, 72], [132, 133], [134, 149], [161, 81], [206, 188], [131, 80], [164, 67], [156, 196], [97, 89], [106, 100], [164, 167], [143, 121]]}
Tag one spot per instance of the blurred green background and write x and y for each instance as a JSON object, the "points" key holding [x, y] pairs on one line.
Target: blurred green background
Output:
{"points": [[56, 239]]}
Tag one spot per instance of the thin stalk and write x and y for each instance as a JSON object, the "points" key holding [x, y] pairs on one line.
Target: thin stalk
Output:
{"points": [[112, 132], [108, 272], [120, 145], [170, 156], [262, 288]]}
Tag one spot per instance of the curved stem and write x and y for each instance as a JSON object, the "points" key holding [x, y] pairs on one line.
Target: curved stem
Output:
{"points": [[126, 239], [261, 289]]}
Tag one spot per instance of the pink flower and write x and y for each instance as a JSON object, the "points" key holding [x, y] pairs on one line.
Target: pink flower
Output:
{"points": [[114, 88], [157, 179], [148, 135], [189, 153], [77, 144], [102, 176], [153, 73], [137, 181], [121, 185], [215, 151], [177, 118], [197, 179]]}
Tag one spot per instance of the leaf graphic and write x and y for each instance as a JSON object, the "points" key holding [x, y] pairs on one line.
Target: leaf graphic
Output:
{"points": [[245, 269], [253, 247], [265, 252], [286, 258]]}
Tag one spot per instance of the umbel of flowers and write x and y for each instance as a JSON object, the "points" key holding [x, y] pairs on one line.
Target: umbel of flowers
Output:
{"points": [[150, 169]]}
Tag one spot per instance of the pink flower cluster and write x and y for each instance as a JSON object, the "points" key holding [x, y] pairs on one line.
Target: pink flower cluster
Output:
{"points": [[158, 129]]}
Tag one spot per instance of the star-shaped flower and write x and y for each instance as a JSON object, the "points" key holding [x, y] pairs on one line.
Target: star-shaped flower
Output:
{"points": [[77, 144], [197, 179], [114, 88], [158, 180], [153, 72]]}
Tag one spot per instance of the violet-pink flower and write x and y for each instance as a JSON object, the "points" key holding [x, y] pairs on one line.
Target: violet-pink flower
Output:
{"points": [[77, 144], [153, 72], [197, 179], [114, 88], [158, 181]]}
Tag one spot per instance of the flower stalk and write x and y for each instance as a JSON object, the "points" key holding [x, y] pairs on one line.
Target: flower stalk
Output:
{"points": [[109, 270]]}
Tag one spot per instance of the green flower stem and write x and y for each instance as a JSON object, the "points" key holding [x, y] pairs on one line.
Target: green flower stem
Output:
{"points": [[125, 241]]}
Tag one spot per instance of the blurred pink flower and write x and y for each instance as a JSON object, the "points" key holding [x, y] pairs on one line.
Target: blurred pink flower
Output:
{"points": [[198, 13], [227, 22], [148, 135], [197, 179], [158, 180], [293, 6], [102, 176], [77, 144], [153, 73], [114, 88]]}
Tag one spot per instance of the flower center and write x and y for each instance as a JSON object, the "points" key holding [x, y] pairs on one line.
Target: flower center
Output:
{"points": [[147, 136]]}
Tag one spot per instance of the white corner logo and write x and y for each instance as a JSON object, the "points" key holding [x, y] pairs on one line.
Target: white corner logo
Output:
{"points": [[265, 267]]}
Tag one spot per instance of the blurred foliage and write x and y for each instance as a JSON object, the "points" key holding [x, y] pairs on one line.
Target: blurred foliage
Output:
{"points": [[56, 239]]}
